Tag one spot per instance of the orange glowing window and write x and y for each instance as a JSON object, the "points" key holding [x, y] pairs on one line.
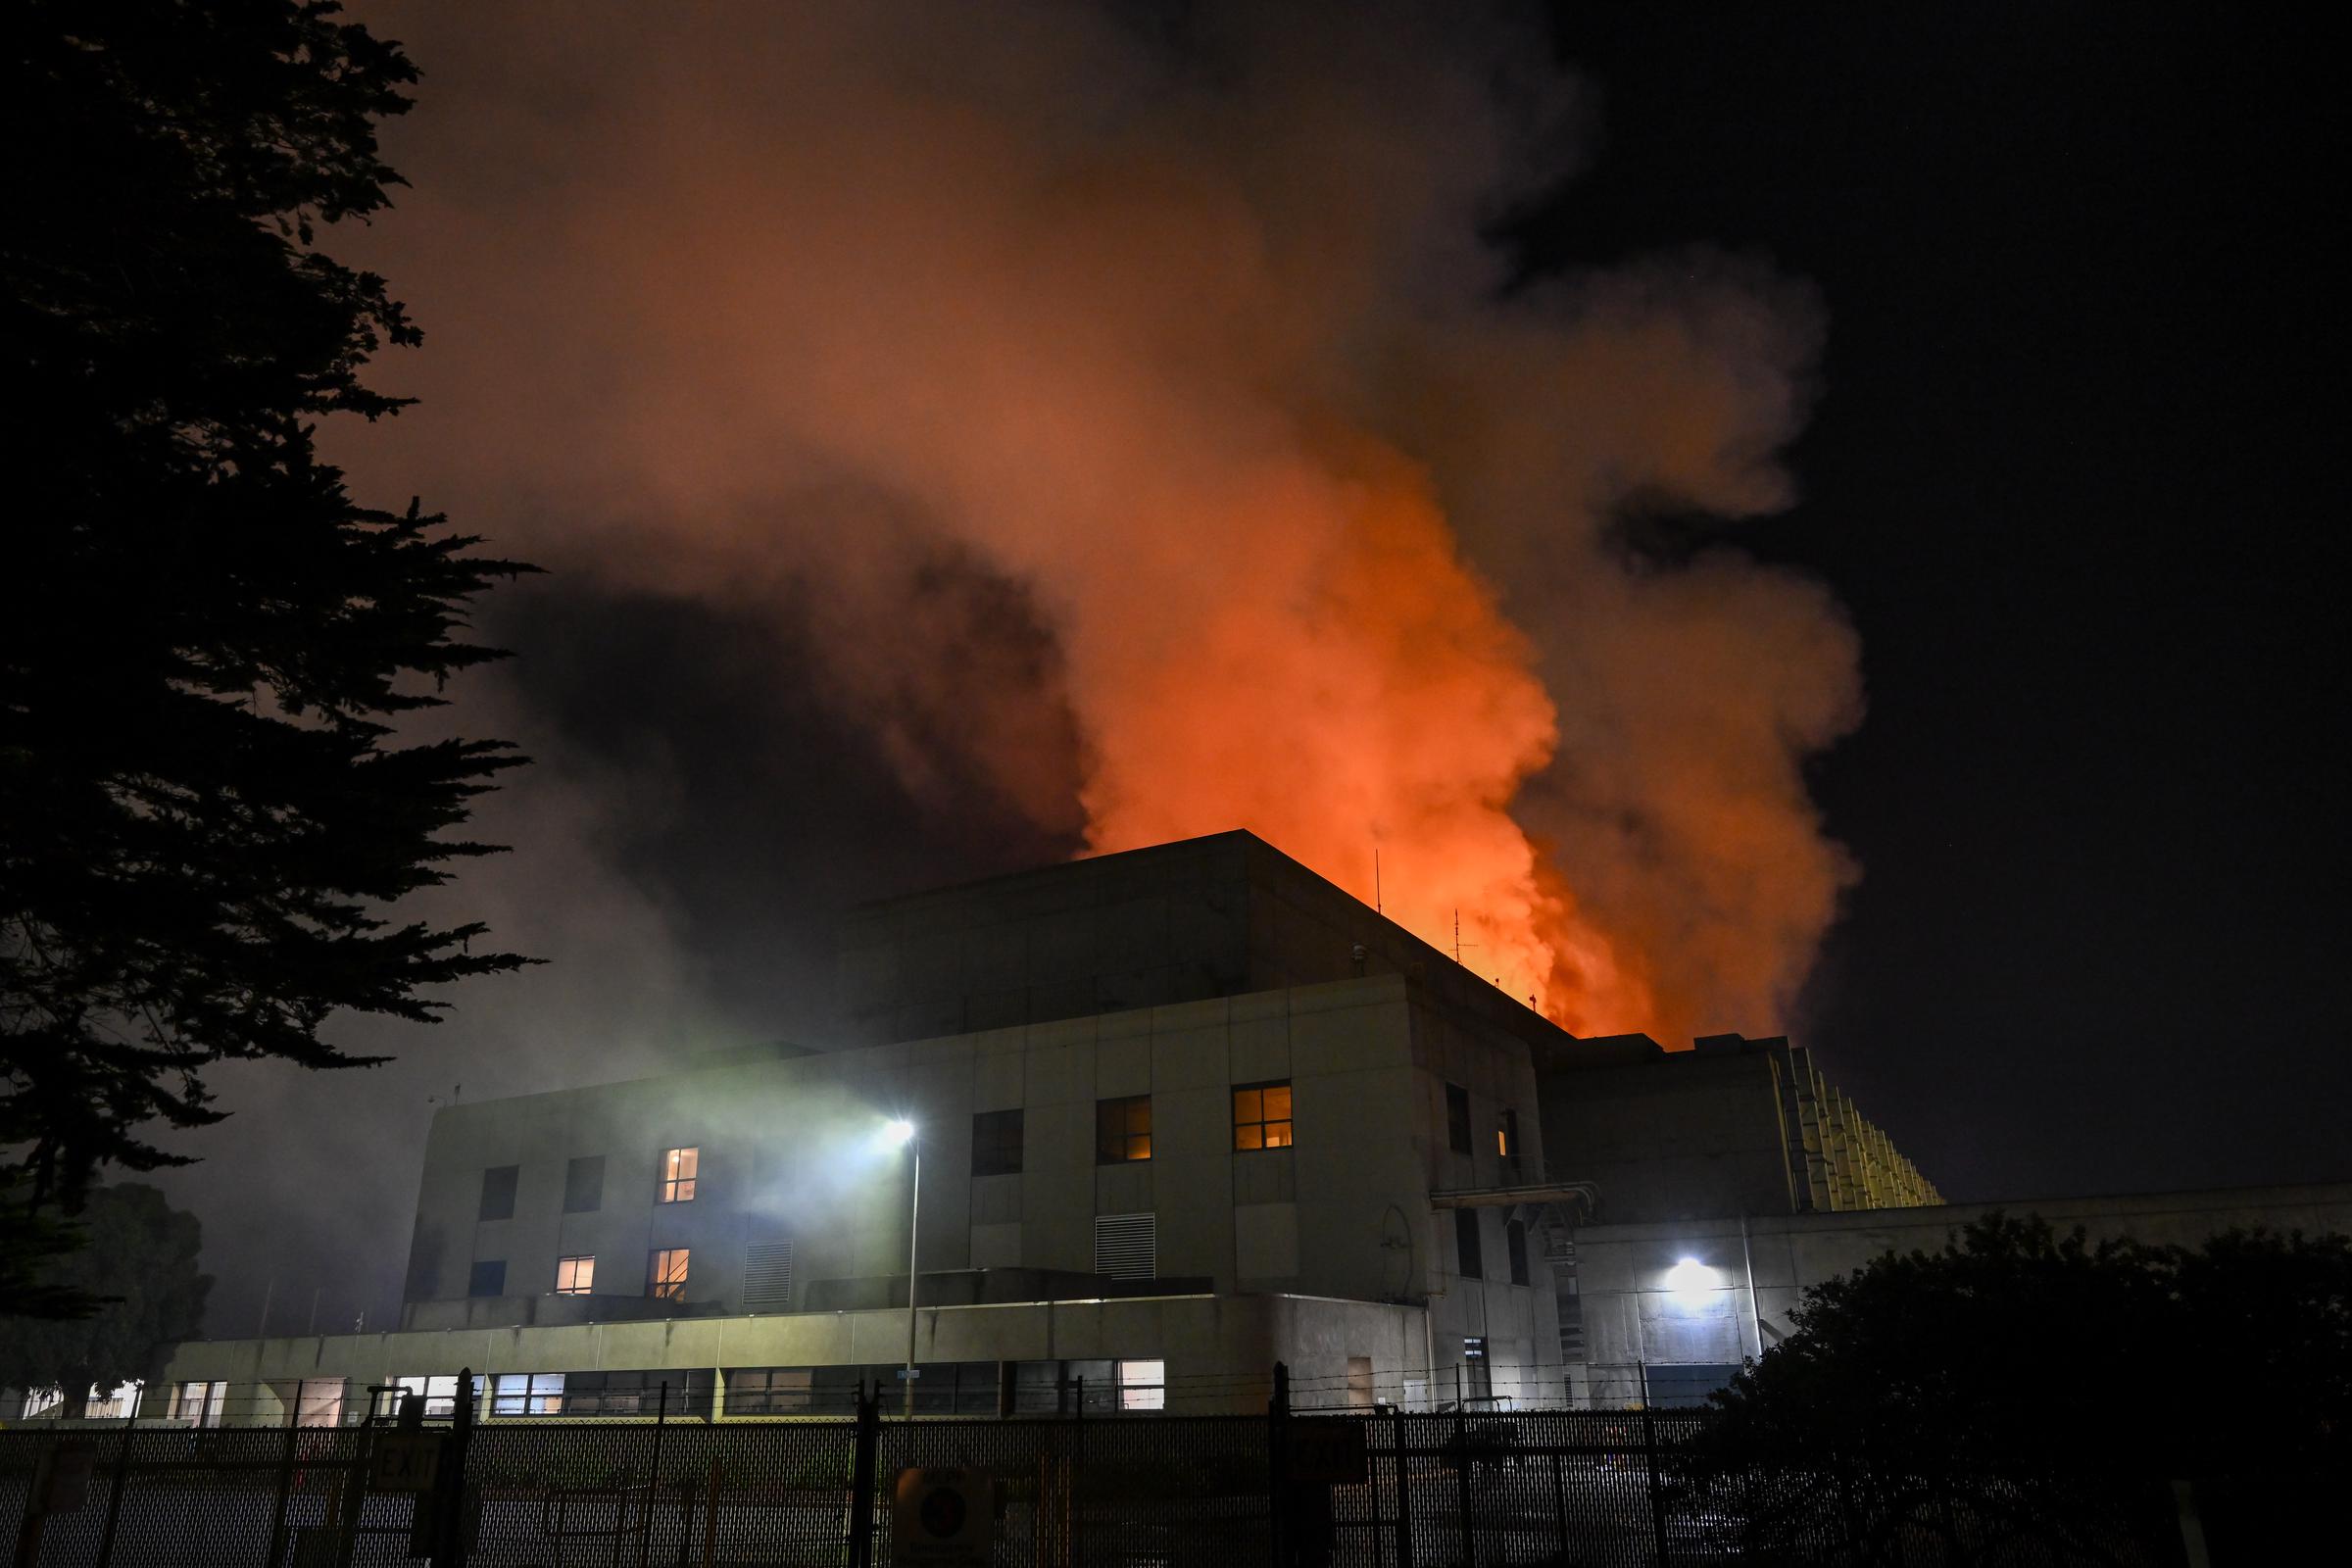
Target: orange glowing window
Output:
{"points": [[666, 1274], [1262, 1117], [678, 1167], [1123, 1130], [575, 1276]]}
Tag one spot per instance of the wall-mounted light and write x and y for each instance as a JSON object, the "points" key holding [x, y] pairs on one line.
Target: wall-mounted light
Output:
{"points": [[1691, 1281]]}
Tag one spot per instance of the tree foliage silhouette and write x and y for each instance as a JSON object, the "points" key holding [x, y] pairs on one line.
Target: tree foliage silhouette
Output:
{"points": [[2020, 1384], [204, 641], [136, 1267]]}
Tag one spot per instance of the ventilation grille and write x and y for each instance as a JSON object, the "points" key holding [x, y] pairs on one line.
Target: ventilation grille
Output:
{"points": [[1127, 1246], [767, 1277]]}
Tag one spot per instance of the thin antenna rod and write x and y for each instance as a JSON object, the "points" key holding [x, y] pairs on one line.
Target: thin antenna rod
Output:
{"points": [[1377, 907]]}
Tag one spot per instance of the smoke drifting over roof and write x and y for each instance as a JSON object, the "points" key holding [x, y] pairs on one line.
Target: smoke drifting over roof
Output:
{"points": [[1155, 442], [1124, 406]]}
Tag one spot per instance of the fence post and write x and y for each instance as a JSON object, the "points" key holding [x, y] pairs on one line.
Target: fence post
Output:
{"points": [[1278, 1467], [861, 1477], [450, 1490], [1559, 1502], [354, 1497], [1649, 1455], [1461, 1477], [286, 1486], [114, 1499], [1404, 1491], [711, 1513]]}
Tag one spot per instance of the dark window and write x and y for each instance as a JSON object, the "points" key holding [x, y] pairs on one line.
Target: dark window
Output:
{"points": [[1123, 1130], [584, 1185], [1514, 1241], [498, 1192], [770, 1389], [1478, 1377], [1465, 1242], [688, 1392], [1458, 1118], [488, 1279], [1262, 1117], [996, 1143]]}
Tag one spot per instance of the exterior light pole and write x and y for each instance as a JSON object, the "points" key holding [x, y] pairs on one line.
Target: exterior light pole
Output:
{"points": [[903, 1131]]}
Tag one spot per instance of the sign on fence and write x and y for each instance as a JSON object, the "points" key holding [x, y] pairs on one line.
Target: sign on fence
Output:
{"points": [[405, 1461], [943, 1519], [1329, 1452]]}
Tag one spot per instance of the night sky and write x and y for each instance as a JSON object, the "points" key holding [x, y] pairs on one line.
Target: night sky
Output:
{"points": [[2063, 468]]}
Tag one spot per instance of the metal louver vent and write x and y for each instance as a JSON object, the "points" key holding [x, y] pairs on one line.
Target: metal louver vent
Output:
{"points": [[767, 1277], [1127, 1246]]}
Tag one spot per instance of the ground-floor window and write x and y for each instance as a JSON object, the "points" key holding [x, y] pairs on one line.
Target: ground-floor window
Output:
{"points": [[440, 1394], [520, 1393], [1143, 1385], [199, 1403], [101, 1404]]}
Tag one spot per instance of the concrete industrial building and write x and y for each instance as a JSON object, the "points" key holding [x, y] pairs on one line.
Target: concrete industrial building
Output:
{"points": [[1185, 1111]]}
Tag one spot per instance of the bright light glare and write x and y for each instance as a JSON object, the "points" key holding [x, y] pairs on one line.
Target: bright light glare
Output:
{"points": [[1690, 1277], [898, 1132]]}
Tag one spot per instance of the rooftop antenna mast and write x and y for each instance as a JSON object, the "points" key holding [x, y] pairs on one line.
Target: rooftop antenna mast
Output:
{"points": [[1377, 908], [1458, 943]]}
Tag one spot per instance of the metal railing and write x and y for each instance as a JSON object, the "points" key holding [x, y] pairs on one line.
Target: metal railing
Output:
{"points": [[1385, 1488]]}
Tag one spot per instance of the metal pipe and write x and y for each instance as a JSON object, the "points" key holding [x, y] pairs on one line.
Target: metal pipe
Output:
{"points": [[914, 1211], [1748, 1262]]}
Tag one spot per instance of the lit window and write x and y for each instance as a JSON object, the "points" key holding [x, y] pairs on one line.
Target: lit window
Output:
{"points": [[1458, 1118], [1506, 1134], [533, 1393], [1143, 1385], [1262, 1117], [1123, 1130], [678, 1166], [996, 1143], [199, 1403], [575, 1276], [440, 1394], [666, 1274]]}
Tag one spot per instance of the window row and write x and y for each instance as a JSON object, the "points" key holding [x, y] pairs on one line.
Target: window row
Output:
{"points": [[969, 1388], [664, 1275], [1261, 1119], [1469, 1250], [584, 1184], [951, 1387], [1457, 1125]]}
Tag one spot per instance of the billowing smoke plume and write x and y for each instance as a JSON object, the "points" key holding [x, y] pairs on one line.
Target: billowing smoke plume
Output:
{"points": [[1149, 385]]}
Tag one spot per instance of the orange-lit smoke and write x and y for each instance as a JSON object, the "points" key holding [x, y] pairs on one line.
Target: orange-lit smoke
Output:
{"points": [[1188, 343]]}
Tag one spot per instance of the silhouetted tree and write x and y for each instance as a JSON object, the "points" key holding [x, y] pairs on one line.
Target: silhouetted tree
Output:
{"points": [[204, 640], [138, 1263], [2020, 1383]]}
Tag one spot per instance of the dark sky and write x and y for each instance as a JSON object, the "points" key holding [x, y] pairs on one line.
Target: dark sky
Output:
{"points": [[2064, 469], [2068, 472]]}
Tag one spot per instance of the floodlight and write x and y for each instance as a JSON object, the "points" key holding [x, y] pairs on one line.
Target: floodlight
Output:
{"points": [[1690, 1277]]}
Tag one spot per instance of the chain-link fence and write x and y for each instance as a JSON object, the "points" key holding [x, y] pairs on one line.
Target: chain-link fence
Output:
{"points": [[1379, 1490]]}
